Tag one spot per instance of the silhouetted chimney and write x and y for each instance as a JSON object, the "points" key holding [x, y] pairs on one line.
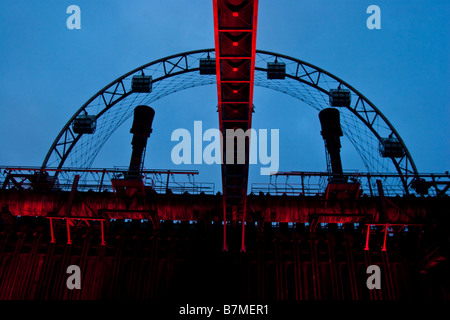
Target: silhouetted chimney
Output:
{"points": [[331, 133], [141, 129]]}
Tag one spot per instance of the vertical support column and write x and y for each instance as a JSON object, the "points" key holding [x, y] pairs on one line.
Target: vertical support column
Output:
{"points": [[103, 233], [42, 287], [69, 240], [243, 247], [114, 285], [150, 287], [315, 267], [26, 287], [279, 272], [332, 263], [388, 275], [297, 270], [385, 236], [133, 276], [351, 269], [8, 278], [367, 238], [167, 181], [51, 231], [171, 259], [83, 258], [98, 276], [60, 275]]}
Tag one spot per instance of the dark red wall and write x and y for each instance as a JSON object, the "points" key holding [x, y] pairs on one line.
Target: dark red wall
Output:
{"points": [[182, 261]]}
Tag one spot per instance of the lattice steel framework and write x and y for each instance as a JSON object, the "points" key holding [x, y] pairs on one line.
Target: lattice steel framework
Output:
{"points": [[362, 123]]}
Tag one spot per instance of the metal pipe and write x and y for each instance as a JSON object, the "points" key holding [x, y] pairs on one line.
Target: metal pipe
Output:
{"points": [[331, 131], [141, 129]]}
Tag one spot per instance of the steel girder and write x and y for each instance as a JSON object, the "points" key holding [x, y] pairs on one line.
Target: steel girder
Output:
{"points": [[235, 24]]}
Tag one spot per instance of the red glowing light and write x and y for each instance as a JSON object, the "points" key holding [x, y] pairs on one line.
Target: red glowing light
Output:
{"points": [[235, 14], [235, 44], [235, 91], [235, 69]]}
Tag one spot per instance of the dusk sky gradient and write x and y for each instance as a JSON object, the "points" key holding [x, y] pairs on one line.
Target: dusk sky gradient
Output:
{"points": [[48, 72]]}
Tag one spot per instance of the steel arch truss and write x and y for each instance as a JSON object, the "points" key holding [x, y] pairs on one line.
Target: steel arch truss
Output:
{"points": [[112, 95], [363, 124], [360, 110]]}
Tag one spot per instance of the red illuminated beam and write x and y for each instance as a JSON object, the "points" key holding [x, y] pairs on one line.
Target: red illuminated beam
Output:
{"points": [[235, 24]]}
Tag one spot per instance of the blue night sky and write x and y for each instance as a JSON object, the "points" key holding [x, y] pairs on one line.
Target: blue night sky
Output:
{"points": [[48, 72]]}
